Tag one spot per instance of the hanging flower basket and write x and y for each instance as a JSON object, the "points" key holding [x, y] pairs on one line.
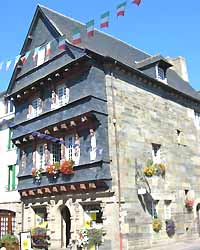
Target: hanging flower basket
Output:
{"points": [[37, 174], [189, 203], [66, 167], [53, 170], [90, 237], [157, 225], [39, 237], [154, 169], [170, 227]]}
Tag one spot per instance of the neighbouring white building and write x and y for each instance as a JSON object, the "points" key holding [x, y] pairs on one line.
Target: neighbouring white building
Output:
{"points": [[10, 204]]}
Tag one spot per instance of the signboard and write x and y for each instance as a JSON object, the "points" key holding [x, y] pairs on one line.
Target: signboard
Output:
{"points": [[25, 241]]}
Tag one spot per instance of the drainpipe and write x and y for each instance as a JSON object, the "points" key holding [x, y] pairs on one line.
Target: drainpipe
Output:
{"points": [[117, 156]]}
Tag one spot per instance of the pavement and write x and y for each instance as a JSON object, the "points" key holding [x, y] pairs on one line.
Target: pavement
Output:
{"points": [[184, 245]]}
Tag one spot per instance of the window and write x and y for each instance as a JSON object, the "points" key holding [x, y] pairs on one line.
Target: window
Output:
{"points": [[7, 222], [12, 179], [156, 153], [197, 119], [93, 216], [9, 107], [60, 97], [40, 157], [55, 153], [160, 73], [69, 142], [35, 108], [41, 56], [11, 145]]}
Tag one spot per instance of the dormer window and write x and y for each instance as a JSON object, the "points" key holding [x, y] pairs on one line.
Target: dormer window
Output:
{"points": [[160, 74]]}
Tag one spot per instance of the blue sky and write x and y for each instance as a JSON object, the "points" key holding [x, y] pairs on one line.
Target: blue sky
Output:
{"points": [[167, 27]]}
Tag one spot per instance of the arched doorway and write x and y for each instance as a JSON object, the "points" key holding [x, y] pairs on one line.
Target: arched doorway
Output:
{"points": [[198, 218], [65, 226]]}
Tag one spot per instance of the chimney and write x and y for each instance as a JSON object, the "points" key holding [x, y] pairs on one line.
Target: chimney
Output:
{"points": [[180, 67]]}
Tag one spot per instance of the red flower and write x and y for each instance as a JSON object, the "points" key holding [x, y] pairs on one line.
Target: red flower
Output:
{"points": [[33, 172], [67, 167]]}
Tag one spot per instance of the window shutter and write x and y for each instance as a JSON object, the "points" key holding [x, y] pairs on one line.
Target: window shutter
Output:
{"points": [[66, 95], [53, 97], [13, 177], [46, 154]]}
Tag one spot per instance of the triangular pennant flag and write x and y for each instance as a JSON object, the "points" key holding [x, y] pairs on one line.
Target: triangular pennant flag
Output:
{"points": [[35, 54], [48, 49], [61, 43], [121, 9], [105, 20], [137, 2], [76, 36], [1, 65], [8, 65], [90, 28], [25, 57], [16, 60]]}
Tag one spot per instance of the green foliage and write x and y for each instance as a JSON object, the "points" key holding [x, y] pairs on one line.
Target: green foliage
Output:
{"points": [[38, 231], [95, 236], [9, 239]]}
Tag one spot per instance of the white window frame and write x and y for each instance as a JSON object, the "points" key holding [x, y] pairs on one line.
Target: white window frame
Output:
{"points": [[8, 104], [35, 111], [69, 144], [63, 99], [40, 156], [156, 154], [53, 152], [158, 75]]}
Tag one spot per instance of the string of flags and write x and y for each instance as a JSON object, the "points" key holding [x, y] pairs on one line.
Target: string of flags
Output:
{"points": [[46, 50]]}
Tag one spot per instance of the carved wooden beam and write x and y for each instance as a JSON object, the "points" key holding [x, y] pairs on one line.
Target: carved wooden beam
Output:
{"points": [[47, 132], [63, 188], [33, 88], [92, 185], [31, 192], [24, 139], [24, 194], [63, 126], [72, 187], [47, 190], [39, 191], [72, 123], [55, 129], [31, 138], [83, 186], [55, 189], [17, 142], [19, 96]]}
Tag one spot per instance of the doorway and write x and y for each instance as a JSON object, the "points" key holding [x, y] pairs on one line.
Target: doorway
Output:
{"points": [[65, 226]]}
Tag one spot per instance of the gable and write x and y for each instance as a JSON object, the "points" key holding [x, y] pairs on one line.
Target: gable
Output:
{"points": [[40, 33]]}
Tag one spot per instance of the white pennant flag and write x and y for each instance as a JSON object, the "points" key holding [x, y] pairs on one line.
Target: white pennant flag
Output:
{"points": [[8, 65]]}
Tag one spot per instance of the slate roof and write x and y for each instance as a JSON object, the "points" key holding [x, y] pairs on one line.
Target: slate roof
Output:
{"points": [[152, 60], [107, 45]]}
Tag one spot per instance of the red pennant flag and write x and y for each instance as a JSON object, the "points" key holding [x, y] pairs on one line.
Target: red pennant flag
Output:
{"points": [[137, 2]]}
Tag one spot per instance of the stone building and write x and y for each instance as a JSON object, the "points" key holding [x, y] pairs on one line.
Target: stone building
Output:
{"points": [[110, 108], [10, 204]]}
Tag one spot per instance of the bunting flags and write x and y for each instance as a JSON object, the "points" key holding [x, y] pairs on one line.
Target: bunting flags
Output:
{"points": [[76, 36], [35, 54], [1, 65], [25, 57], [62, 43], [137, 2], [105, 20], [48, 49], [17, 60], [40, 53], [90, 28], [121, 9]]}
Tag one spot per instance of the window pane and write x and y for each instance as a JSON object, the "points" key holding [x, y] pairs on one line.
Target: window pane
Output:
{"points": [[161, 74], [56, 152]]}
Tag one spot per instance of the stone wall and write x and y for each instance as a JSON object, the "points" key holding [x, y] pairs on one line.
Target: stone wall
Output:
{"points": [[142, 118]]}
